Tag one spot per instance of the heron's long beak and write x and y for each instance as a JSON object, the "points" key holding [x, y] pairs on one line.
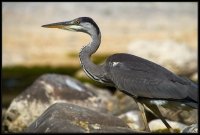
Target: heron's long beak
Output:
{"points": [[60, 25]]}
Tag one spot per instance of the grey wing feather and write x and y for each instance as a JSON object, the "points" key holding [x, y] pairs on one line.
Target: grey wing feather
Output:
{"points": [[142, 78]]}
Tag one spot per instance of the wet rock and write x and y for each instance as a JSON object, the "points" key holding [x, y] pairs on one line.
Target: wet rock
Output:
{"points": [[45, 91], [176, 57], [157, 125], [69, 118], [191, 129]]}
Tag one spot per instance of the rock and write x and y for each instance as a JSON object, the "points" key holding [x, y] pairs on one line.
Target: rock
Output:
{"points": [[45, 91], [157, 124], [124, 103], [187, 117], [176, 57], [69, 118], [190, 129], [194, 77], [111, 102], [127, 109], [3, 112], [133, 119]]}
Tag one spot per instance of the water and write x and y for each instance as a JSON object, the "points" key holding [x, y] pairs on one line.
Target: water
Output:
{"points": [[17, 78]]}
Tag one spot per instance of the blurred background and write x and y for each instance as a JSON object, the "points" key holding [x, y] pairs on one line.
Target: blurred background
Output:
{"points": [[165, 33]]}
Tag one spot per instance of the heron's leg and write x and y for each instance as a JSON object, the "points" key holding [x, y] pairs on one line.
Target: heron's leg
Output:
{"points": [[155, 110], [141, 108]]}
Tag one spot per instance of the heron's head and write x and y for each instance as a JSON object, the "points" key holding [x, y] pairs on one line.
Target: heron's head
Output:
{"points": [[81, 24]]}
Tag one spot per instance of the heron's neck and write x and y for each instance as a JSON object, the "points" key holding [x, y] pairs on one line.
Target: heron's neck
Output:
{"points": [[91, 69]]}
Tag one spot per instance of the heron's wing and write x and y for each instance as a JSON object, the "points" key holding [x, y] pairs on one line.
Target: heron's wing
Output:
{"points": [[142, 78]]}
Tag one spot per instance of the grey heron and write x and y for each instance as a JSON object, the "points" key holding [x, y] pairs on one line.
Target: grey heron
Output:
{"points": [[145, 81]]}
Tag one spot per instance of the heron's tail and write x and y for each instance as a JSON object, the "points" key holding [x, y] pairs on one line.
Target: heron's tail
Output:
{"points": [[192, 104], [192, 95]]}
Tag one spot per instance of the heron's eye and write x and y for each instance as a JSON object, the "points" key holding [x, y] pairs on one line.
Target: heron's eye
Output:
{"points": [[77, 21]]}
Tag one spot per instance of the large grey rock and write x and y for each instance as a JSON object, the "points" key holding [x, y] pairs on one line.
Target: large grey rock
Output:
{"points": [[176, 57], [45, 91], [69, 118]]}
